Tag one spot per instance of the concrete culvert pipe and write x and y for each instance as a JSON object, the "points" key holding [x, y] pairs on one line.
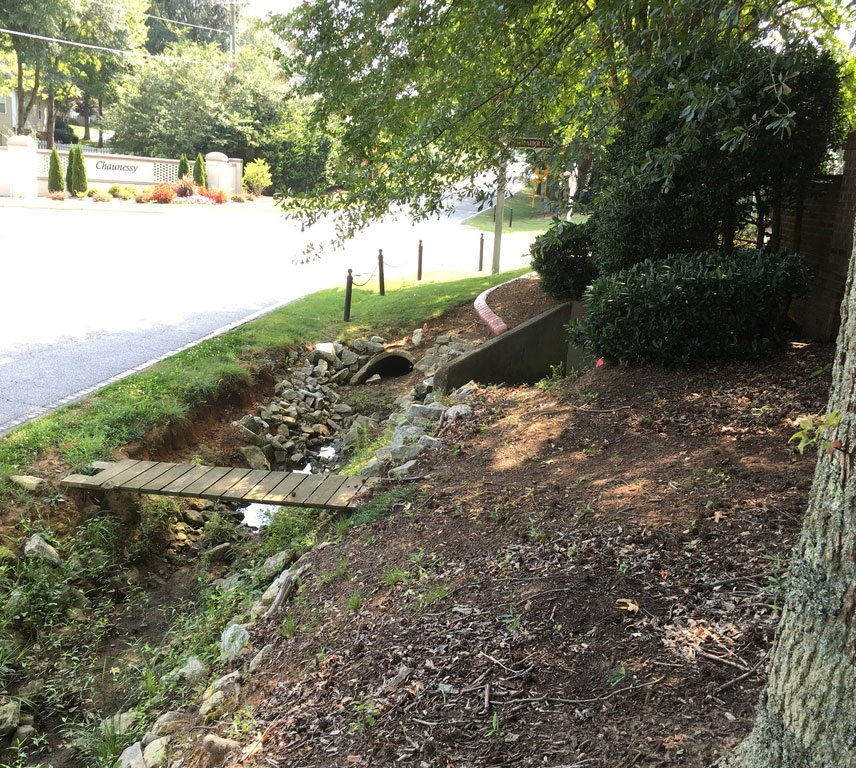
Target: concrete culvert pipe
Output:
{"points": [[385, 364]]}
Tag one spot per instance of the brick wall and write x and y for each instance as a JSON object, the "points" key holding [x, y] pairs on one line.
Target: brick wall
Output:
{"points": [[824, 235]]}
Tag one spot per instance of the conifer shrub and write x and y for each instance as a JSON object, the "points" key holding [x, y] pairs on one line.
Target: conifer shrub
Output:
{"points": [[692, 307], [55, 180], [78, 174], [183, 166], [69, 168], [200, 174], [562, 259]]}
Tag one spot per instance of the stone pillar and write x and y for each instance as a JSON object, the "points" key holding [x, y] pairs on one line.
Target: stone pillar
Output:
{"points": [[217, 168], [22, 166]]}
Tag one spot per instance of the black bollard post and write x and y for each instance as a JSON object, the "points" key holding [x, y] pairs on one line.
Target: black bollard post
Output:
{"points": [[380, 270], [349, 289], [481, 252], [419, 263], [510, 217]]}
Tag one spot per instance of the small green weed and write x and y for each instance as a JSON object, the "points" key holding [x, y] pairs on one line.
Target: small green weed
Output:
{"points": [[366, 713], [355, 599], [396, 576]]}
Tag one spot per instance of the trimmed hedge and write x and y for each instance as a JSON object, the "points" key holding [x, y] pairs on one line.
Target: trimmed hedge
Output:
{"points": [[692, 307], [200, 172], [561, 257]]}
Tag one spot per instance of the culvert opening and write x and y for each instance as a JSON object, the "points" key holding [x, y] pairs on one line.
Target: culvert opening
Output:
{"points": [[386, 364]]}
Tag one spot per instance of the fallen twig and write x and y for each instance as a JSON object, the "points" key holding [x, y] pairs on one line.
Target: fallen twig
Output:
{"points": [[726, 686]]}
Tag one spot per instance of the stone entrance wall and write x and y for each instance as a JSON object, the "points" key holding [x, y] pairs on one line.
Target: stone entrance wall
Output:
{"points": [[24, 169]]}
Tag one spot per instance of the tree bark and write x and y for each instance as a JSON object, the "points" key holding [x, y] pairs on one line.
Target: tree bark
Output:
{"points": [[807, 714], [101, 124], [86, 133], [51, 118]]}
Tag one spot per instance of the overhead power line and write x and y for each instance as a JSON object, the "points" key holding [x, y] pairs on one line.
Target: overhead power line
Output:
{"points": [[117, 51], [159, 18]]}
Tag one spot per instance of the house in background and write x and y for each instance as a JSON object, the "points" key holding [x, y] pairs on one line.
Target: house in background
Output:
{"points": [[37, 121]]}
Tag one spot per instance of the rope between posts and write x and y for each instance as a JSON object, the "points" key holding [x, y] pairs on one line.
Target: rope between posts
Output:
{"points": [[360, 285], [387, 264]]}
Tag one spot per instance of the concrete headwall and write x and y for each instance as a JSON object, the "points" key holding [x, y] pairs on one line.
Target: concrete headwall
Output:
{"points": [[521, 355]]}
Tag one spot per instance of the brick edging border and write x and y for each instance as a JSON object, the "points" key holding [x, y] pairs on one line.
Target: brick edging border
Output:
{"points": [[486, 314]]}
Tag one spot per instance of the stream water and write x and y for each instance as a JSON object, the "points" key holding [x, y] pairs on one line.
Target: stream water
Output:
{"points": [[259, 515]]}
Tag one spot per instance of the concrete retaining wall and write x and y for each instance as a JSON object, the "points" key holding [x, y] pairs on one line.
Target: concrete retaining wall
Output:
{"points": [[521, 355]]}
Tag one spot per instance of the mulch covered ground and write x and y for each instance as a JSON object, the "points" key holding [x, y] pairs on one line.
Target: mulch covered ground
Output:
{"points": [[588, 575]]}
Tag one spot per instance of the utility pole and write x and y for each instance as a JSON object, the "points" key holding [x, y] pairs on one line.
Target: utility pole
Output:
{"points": [[233, 23], [497, 225]]}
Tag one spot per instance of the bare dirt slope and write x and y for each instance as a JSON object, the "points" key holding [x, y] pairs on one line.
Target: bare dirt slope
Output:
{"points": [[586, 576]]}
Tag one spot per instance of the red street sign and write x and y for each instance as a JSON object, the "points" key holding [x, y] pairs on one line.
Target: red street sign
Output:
{"points": [[524, 143]]}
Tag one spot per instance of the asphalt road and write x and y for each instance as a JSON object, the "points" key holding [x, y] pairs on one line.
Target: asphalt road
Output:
{"points": [[90, 292]]}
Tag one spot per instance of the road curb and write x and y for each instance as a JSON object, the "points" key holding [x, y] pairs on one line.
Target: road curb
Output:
{"points": [[486, 314]]}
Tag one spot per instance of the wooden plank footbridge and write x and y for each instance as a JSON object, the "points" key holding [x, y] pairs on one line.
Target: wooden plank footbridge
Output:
{"points": [[237, 484]]}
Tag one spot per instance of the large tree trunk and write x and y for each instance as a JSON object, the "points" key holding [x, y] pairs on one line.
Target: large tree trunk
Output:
{"points": [[51, 118], [807, 714], [101, 124], [86, 134]]}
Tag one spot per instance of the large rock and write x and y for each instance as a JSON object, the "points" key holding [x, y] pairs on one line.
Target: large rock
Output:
{"points": [[404, 470], [416, 337], [213, 706], [28, 482], [254, 456], [132, 757], [458, 412], [218, 748], [326, 351], [233, 640], [417, 414], [193, 670], [366, 347], [120, 723], [244, 435], [406, 434], [275, 564], [155, 754], [260, 657], [10, 716], [166, 725], [36, 547]]}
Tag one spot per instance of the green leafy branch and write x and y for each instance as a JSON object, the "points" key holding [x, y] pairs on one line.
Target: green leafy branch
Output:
{"points": [[811, 432]]}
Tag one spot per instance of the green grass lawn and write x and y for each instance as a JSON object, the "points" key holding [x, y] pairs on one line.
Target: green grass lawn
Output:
{"points": [[526, 218], [94, 133], [164, 394]]}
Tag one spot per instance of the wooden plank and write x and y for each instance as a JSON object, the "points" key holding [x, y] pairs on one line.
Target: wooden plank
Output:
{"points": [[114, 468], [118, 481], [224, 483], [80, 481], [261, 490], [197, 487], [151, 474], [279, 494], [180, 483], [245, 484], [299, 495], [342, 498], [154, 486], [331, 484]]}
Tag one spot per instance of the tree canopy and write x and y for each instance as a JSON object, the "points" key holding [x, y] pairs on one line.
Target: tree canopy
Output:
{"points": [[426, 94]]}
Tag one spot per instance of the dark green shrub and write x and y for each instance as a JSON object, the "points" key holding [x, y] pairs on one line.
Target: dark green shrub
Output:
{"points": [[63, 134], [69, 168], [200, 174], [697, 306], [183, 166], [78, 174], [561, 256], [55, 180]]}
